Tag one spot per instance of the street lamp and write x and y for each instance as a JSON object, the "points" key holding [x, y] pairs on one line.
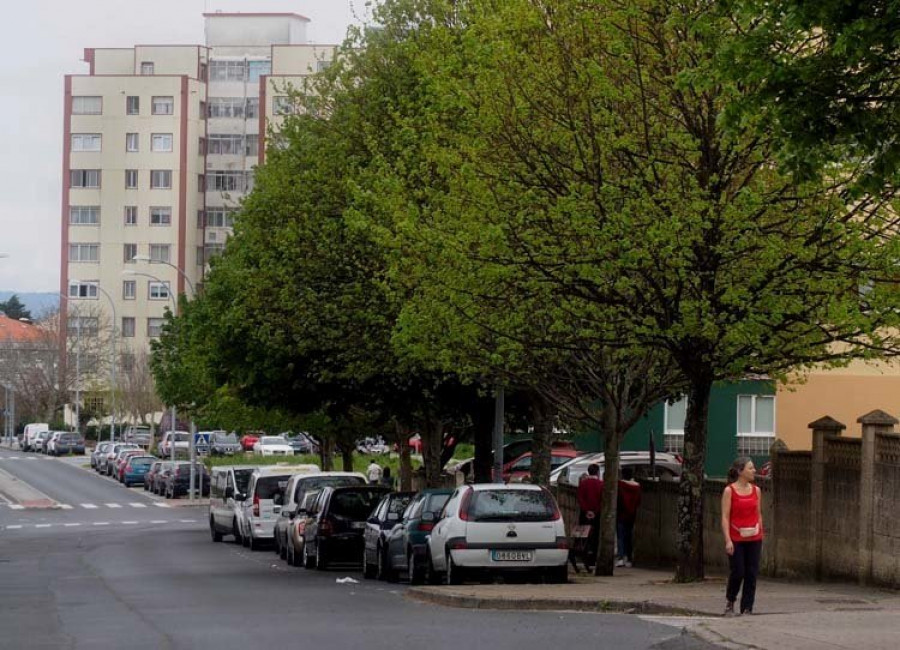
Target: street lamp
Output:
{"points": [[147, 258], [112, 359], [77, 360]]}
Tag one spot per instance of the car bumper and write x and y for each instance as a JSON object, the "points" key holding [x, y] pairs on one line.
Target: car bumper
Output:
{"points": [[338, 547], [262, 528], [483, 559]]}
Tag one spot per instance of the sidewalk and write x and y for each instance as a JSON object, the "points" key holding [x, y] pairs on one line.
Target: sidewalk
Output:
{"points": [[787, 615]]}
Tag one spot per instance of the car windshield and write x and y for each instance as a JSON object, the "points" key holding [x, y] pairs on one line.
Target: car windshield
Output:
{"points": [[225, 437], [272, 440], [182, 437], [318, 482], [511, 505], [355, 505], [242, 479], [399, 503]]}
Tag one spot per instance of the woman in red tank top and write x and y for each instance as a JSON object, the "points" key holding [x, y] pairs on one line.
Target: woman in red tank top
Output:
{"points": [[742, 527]]}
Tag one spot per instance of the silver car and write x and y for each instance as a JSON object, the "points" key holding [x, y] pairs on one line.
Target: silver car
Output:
{"points": [[666, 466]]}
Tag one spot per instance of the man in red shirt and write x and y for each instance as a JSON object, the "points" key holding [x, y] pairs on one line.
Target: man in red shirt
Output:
{"points": [[590, 503], [629, 499]]}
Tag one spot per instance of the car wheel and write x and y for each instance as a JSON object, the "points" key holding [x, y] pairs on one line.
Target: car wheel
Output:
{"points": [[235, 531], [216, 535], [381, 570], [308, 562], [455, 574], [290, 554], [253, 543], [126, 483], [558, 575], [368, 569], [432, 577], [414, 572], [321, 559], [283, 551]]}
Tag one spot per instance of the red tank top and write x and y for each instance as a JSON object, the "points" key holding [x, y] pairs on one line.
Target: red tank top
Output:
{"points": [[745, 514]]}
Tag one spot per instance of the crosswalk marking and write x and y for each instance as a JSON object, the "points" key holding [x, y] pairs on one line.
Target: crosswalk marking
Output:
{"points": [[112, 505], [158, 521], [101, 523], [71, 525], [89, 506], [188, 521], [42, 525], [65, 506], [161, 505], [98, 524], [16, 506], [130, 523], [14, 527], [138, 505]]}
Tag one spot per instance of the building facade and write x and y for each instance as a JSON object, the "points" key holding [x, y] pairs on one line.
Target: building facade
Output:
{"points": [[160, 145]]}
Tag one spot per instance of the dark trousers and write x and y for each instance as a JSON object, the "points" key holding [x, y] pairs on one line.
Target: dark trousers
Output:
{"points": [[593, 539], [625, 538], [744, 565]]}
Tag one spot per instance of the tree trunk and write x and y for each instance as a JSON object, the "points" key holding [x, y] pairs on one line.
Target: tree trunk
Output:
{"points": [[432, 440], [689, 566], [606, 551], [483, 431], [402, 441], [541, 438], [347, 458], [326, 449]]}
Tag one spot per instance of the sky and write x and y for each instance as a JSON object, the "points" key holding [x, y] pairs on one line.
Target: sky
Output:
{"points": [[42, 40]]}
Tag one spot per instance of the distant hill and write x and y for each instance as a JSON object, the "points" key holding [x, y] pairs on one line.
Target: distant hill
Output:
{"points": [[36, 303]]}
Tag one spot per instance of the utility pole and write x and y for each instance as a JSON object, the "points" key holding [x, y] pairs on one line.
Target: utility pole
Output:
{"points": [[499, 416]]}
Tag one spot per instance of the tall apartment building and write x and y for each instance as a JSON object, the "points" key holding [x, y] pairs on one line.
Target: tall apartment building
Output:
{"points": [[160, 144]]}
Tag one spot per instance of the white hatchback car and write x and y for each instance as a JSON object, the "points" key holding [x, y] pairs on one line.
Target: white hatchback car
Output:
{"points": [[491, 528], [273, 446]]}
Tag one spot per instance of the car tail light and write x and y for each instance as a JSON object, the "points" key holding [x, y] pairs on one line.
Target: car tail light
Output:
{"points": [[464, 505], [459, 545], [557, 515], [562, 543], [425, 526], [255, 506], [325, 528]]}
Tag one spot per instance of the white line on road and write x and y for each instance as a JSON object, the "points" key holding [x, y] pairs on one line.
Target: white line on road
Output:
{"points": [[16, 506], [14, 527], [70, 525], [159, 521], [113, 505], [42, 525], [101, 523], [65, 506], [162, 505], [130, 523], [88, 506], [138, 505], [188, 521]]}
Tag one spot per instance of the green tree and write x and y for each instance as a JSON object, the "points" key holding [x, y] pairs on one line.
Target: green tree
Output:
{"points": [[13, 308]]}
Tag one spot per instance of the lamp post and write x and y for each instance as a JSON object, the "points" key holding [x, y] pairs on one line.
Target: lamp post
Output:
{"points": [[147, 258], [112, 361]]}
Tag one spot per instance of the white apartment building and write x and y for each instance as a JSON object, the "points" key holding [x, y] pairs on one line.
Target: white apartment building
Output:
{"points": [[160, 144]]}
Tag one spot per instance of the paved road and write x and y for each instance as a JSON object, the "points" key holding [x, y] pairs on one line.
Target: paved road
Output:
{"points": [[161, 583]]}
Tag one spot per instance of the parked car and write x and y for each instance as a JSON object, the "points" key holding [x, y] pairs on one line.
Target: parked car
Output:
{"points": [[227, 487], [667, 466], [50, 444], [406, 549], [222, 443], [302, 444], [64, 442], [39, 441], [372, 446], [519, 469], [178, 480], [490, 528], [273, 446], [297, 527], [107, 462], [151, 474], [249, 439], [121, 459], [99, 450], [335, 531], [386, 515], [182, 442], [135, 469], [138, 434], [294, 493], [30, 432], [159, 480], [261, 504]]}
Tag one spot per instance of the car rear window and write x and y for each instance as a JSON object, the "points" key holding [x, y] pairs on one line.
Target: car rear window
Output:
{"points": [[511, 505], [141, 462], [355, 505], [435, 503], [319, 482], [242, 479], [268, 486]]}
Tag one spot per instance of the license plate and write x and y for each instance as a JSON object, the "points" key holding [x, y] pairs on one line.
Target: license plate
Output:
{"points": [[358, 525], [512, 556]]}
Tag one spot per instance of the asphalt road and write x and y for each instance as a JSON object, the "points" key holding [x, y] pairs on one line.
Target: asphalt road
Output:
{"points": [[150, 577]]}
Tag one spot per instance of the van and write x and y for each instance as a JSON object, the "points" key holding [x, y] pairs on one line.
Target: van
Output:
{"points": [[31, 430], [262, 501], [226, 483]]}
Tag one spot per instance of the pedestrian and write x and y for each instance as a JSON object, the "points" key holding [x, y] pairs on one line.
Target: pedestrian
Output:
{"points": [[590, 503], [373, 472], [628, 502], [386, 479], [742, 526]]}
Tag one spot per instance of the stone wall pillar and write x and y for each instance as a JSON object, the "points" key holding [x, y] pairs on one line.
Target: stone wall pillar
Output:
{"points": [[872, 423], [822, 428]]}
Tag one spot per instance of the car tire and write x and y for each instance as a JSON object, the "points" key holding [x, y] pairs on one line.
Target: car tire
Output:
{"points": [[321, 559], [235, 531], [558, 575], [126, 483], [283, 552], [432, 577], [455, 574], [215, 534], [381, 568], [253, 544], [308, 562], [290, 555], [368, 569], [414, 572]]}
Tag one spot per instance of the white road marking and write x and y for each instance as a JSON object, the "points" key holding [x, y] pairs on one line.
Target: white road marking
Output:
{"points": [[138, 505], [112, 505], [16, 506], [188, 521], [65, 506], [42, 525], [101, 523], [70, 525], [88, 506], [130, 523], [162, 505], [14, 527], [159, 521]]}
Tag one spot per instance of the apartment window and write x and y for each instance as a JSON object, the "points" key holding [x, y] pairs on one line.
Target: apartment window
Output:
{"points": [[252, 145], [225, 144], [84, 253], [204, 71], [84, 290], [220, 218], [283, 105], [201, 182], [756, 424], [127, 361], [131, 215], [674, 431], [128, 326], [211, 250], [255, 69], [322, 65], [161, 179], [201, 146], [132, 142], [154, 327], [84, 215], [226, 71], [84, 178], [226, 181], [84, 105], [199, 254], [161, 216], [158, 290], [128, 253], [252, 107], [86, 142], [132, 105], [131, 179], [161, 142], [89, 326], [147, 67], [201, 219], [129, 289], [159, 252], [203, 110], [164, 105], [226, 107]]}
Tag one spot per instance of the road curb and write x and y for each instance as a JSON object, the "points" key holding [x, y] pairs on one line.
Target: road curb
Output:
{"points": [[435, 596]]}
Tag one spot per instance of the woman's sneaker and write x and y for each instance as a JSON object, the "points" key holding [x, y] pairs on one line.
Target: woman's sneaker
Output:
{"points": [[748, 611], [729, 609], [620, 562]]}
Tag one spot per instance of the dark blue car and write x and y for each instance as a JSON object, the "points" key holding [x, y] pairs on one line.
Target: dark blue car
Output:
{"points": [[136, 469], [406, 543]]}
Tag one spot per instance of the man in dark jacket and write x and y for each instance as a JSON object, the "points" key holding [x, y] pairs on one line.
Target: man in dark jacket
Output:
{"points": [[590, 503]]}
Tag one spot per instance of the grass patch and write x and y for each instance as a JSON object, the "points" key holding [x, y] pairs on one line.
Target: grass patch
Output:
{"points": [[464, 451], [360, 461]]}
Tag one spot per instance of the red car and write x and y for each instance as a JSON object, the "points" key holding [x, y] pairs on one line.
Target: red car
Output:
{"points": [[122, 460], [248, 440], [519, 469]]}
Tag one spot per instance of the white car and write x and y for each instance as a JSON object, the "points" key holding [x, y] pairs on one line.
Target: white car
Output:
{"points": [[666, 466], [490, 528], [273, 446], [262, 501], [227, 485]]}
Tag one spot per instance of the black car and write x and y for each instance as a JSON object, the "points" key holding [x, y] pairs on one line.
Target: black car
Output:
{"points": [[386, 515], [222, 443], [178, 480], [334, 532]]}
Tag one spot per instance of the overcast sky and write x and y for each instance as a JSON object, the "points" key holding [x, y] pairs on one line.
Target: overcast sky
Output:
{"points": [[42, 40]]}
